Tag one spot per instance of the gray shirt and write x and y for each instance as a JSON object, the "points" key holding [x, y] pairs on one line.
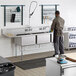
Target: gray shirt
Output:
{"points": [[57, 26]]}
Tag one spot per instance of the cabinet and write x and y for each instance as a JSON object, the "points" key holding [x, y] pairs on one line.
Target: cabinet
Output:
{"points": [[43, 38], [70, 38], [25, 40], [55, 69], [32, 39]]}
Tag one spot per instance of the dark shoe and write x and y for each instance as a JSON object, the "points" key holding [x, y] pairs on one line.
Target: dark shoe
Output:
{"points": [[54, 55]]}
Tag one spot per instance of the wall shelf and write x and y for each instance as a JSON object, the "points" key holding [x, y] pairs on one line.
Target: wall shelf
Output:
{"points": [[11, 5], [9, 14], [48, 12]]}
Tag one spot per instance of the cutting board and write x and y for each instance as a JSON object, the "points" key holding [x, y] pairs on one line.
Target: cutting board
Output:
{"points": [[71, 57]]}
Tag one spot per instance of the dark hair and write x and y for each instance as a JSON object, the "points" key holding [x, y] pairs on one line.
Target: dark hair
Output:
{"points": [[57, 12]]}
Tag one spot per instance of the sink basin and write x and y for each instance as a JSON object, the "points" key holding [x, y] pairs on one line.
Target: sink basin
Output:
{"points": [[43, 28], [28, 29]]}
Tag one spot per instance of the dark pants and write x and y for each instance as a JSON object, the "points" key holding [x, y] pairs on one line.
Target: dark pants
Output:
{"points": [[58, 45]]}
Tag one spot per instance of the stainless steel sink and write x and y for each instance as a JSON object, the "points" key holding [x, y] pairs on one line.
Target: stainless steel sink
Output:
{"points": [[28, 29]]}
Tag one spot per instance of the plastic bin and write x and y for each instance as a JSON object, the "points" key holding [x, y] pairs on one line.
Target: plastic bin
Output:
{"points": [[6, 68]]}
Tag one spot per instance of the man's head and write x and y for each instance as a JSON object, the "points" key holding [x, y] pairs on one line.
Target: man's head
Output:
{"points": [[57, 13]]}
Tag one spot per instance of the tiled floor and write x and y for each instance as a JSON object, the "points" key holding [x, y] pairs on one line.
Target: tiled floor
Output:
{"points": [[41, 71]]}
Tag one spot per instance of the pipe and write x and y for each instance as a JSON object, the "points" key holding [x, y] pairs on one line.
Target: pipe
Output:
{"points": [[30, 14]]}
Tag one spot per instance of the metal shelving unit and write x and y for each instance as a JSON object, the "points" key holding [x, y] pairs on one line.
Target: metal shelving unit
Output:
{"points": [[48, 12], [70, 38], [8, 12]]}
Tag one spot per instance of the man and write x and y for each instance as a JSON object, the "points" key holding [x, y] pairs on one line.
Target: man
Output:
{"points": [[57, 27]]}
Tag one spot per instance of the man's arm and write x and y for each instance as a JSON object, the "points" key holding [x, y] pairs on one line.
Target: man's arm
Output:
{"points": [[62, 23], [53, 25]]}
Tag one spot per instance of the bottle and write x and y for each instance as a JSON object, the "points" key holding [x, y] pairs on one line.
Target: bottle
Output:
{"points": [[18, 9]]}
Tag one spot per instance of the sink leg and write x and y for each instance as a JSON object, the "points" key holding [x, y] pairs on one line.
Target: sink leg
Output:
{"points": [[16, 50], [21, 53]]}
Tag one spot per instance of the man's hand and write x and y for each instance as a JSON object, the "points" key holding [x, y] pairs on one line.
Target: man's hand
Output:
{"points": [[51, 30]]}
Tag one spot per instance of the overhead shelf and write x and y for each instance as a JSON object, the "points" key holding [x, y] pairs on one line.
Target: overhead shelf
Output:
{"points": [[11, 5], [48, 13], [49, 4], [8, 16]]}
